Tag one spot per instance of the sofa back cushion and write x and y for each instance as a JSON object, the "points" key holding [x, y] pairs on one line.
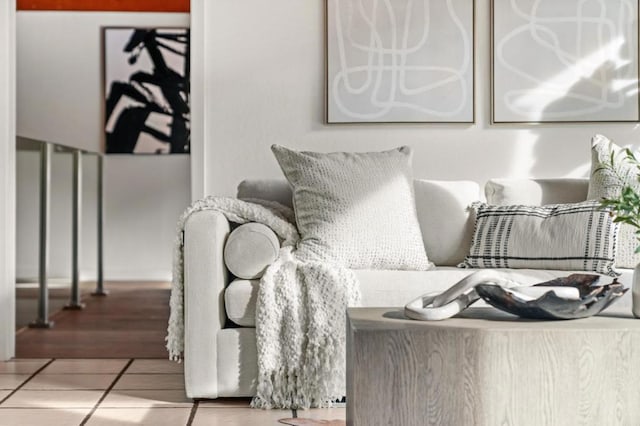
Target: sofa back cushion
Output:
{"points": [[497, 191], [266, 189], [536, 192], [442, 206], [445, 220]]}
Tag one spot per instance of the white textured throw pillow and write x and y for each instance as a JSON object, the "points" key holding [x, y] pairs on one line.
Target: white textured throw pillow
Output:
{"points": [[602, 184], [356, 209], [249, 249], [573, 237]]}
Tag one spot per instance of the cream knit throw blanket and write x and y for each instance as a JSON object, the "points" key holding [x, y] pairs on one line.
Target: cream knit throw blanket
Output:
{"points": [[300, 312]]}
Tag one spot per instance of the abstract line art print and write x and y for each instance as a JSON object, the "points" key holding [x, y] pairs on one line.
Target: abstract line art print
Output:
{"points": [[565, 60], [400, 61], [146, 73]]}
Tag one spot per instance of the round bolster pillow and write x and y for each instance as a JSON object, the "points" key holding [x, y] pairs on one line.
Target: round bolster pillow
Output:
{"points": [[250, 249]]}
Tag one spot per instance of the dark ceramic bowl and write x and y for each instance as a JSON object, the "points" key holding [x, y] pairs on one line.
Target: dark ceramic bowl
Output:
{"points": [[593, 298]]}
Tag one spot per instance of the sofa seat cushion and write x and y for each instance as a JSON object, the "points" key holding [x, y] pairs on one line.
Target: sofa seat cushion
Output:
{"points": [[384, 288], [240, 299]]}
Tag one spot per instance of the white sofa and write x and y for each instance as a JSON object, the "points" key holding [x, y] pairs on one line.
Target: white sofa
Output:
{"points": [[220, 350]]}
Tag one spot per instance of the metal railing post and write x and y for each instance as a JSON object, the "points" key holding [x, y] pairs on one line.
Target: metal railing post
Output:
{"points": [[76, 212], [42, 321], [100, 291]]}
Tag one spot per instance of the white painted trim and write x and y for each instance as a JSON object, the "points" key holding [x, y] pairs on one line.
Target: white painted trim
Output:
{"points": [[7, 177], [199, 57]]}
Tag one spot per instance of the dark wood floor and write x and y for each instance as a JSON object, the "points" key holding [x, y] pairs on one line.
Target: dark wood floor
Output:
{"points": [[131, 322]]}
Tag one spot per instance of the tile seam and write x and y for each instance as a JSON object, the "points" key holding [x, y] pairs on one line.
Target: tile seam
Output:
{"points": [[106, 392], [192, 413], [26, 381]]}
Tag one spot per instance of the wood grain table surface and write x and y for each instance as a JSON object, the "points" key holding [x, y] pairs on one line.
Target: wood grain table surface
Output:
{"points": [[486, 367]]}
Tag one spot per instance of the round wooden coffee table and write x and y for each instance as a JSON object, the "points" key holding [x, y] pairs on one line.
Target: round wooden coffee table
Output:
{"points": [[490, 368]]}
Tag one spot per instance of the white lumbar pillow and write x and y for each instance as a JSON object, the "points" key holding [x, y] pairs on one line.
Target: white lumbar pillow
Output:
{"points": [[250, 248]]}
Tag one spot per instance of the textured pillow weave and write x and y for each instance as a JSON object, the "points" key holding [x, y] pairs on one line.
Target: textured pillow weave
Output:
{"points": [[574, 237], [603, 184], [356, 209]]}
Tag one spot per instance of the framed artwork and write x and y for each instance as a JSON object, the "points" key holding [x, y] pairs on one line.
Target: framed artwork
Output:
{"points": [[146, 86], [386, 61], [564, 61]]}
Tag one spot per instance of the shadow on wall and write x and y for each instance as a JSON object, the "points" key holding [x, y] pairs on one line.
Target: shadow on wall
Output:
{"points": [[567, 79], [565, 147]]}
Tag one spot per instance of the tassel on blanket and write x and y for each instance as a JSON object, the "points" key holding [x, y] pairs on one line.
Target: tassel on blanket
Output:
{"points": [[301, 361]]}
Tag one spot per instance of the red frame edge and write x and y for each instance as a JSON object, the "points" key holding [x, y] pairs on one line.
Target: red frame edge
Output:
{"points": [[106, 5]]}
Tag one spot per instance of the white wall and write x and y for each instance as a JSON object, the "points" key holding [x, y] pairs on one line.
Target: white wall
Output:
{"points": [[144, 198], [262, 81], [28, 175], [7, 179], [60, 99]]}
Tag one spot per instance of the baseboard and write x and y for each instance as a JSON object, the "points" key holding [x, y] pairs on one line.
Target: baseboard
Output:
{"points": [[137, 275]]}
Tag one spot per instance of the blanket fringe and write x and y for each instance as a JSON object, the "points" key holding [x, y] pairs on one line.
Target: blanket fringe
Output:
{"points": [[284, 389]]}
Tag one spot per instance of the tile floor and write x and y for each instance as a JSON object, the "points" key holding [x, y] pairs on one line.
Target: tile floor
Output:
{"points": [[122, 392]]}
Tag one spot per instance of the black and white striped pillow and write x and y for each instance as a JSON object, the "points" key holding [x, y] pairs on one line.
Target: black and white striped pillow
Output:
{"points": [[574, 237]]}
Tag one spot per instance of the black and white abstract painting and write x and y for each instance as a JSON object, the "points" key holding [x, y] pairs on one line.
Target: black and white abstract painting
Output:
{"points": [[565, 61], [386, 61], [146, 72]]}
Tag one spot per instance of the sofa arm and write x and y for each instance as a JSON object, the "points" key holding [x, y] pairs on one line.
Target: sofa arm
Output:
{"points": [[205, 278]]}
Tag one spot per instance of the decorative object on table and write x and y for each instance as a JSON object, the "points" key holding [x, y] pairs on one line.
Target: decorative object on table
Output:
{"points": [[581, 62], [439, 306], [385, 62], [566, 237], [146, 83], [615, 180], [592, 299], [571, 297]]}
